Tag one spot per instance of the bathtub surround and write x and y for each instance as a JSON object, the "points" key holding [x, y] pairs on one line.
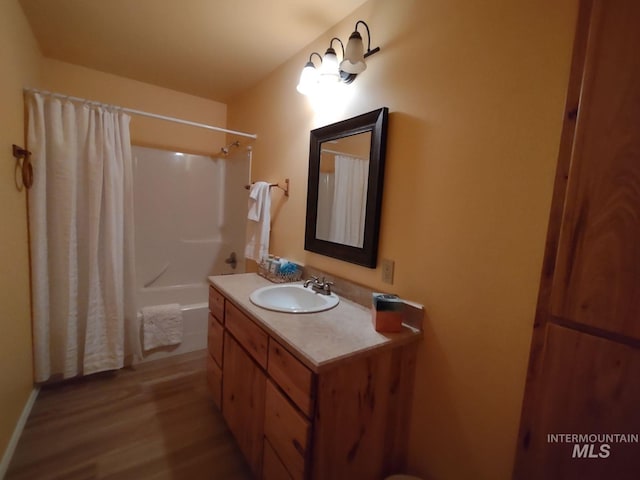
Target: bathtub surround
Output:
{"points": [[188, 213], [81, 223]]}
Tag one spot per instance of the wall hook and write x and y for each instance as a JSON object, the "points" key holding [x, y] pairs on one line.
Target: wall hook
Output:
{"points": [[27, 169]]}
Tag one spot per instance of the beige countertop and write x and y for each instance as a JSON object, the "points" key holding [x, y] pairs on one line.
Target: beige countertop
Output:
{"points": [[317, 339]]}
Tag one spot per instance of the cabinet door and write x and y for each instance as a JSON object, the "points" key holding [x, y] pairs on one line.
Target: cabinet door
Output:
{"points": [[597, 276], [216, 304], [243, 393], [291, 376], [214, 380], [215, 339], [247, 333]]}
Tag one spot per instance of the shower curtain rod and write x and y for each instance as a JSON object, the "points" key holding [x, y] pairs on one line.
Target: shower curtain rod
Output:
{"points": [[336, 152], [142, 113]]}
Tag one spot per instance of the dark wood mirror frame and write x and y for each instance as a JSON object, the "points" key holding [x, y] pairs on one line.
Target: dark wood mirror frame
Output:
{"points": [[376, 123]]}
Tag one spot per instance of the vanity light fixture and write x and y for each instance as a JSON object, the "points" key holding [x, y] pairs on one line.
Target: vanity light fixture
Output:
{"points": [[309, 76], [354, 57], [330, 71]]}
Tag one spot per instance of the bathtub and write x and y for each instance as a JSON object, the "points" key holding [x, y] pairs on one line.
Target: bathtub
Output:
{"points": [[195, 309]]}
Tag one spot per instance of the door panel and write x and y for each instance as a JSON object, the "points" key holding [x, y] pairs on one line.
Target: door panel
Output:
{"points": [[597, 276], [589, 386]]}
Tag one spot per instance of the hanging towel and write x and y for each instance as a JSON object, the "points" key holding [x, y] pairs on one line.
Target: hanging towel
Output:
{"points": [[259, 221], [161, 325]]}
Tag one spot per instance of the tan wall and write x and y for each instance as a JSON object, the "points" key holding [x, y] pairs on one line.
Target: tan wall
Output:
{"points": [[91, 84], [19, 58], [476, 93]]}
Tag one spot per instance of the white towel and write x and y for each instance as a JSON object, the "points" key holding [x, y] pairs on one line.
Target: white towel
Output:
{"points": [[259, 224], [161, 325]]}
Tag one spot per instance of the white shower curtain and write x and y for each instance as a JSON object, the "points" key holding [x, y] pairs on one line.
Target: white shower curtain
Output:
{"points": [[81, 227], [349, 200]]}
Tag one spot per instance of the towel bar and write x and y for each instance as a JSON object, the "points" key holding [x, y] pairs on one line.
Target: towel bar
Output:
{"points": [[285, 189]]}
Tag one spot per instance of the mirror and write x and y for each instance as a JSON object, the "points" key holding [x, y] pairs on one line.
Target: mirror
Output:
{"points": [[346, 171]]}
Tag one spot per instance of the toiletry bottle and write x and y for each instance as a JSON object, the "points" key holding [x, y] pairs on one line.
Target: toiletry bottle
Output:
{"points": [[269, 262], [274, 267]]}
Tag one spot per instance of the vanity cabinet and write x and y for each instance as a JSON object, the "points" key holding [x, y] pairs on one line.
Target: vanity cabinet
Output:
{"points": [[345, 421]]}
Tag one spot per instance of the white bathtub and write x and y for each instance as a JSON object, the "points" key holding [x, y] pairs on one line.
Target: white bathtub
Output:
{"points": [[193, 302]]}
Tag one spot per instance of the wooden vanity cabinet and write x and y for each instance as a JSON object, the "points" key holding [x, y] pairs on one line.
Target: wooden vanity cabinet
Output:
{"points": [[346, 422], [215, 343], [243, 395]]}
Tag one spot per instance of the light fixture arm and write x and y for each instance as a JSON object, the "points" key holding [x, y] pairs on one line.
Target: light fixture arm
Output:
{"points": [[369, 51], [311, 57], [339, 41]]}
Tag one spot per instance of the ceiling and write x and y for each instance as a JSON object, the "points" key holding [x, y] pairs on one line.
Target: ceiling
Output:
{"points": [[209, 48]]}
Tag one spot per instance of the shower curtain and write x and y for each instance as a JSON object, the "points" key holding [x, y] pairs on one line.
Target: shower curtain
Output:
{"points": [[81, 228], [349, 200]]}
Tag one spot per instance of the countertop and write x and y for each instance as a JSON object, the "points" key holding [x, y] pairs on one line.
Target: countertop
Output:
{"points": [[319, 340]]}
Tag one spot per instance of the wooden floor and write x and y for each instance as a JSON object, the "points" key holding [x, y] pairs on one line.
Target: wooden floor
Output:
{"points": [[152, 421]]}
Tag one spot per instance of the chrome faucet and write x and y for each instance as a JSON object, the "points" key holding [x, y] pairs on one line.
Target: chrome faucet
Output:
{"points": [[319, 285]]}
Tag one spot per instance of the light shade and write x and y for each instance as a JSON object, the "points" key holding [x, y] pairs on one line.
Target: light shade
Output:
{"points": [[329, 71], [354, 55], [308, 79]]}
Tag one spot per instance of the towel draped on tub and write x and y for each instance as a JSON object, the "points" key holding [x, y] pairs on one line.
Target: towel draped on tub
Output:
{"points": [[161, 325]]}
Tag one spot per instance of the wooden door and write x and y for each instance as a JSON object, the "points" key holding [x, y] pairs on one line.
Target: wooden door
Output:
{"points": [[596, 281], [588, 387], [243, 400], [584, 365]]}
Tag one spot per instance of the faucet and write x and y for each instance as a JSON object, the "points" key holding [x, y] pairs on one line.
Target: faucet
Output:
{"points": [[319, 286]]}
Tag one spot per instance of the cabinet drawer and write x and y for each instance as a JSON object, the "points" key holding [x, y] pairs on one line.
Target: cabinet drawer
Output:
{"points": [[214, 380], [287, 431], [292, 376], [216, 304], [248, 334], [215, 339], [272, 467]]}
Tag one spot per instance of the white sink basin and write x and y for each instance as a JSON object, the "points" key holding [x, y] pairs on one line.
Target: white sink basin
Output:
{"points": [[292, 299]]}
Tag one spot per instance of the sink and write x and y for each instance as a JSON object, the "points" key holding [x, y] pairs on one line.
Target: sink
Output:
{"points": [[292, 299]]}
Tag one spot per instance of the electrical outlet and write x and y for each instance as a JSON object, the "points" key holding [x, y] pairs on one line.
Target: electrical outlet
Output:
{"points": [[387, 270]]}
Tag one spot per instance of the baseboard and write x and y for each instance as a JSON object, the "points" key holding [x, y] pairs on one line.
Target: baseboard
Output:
{"points": [[13, 441]]}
